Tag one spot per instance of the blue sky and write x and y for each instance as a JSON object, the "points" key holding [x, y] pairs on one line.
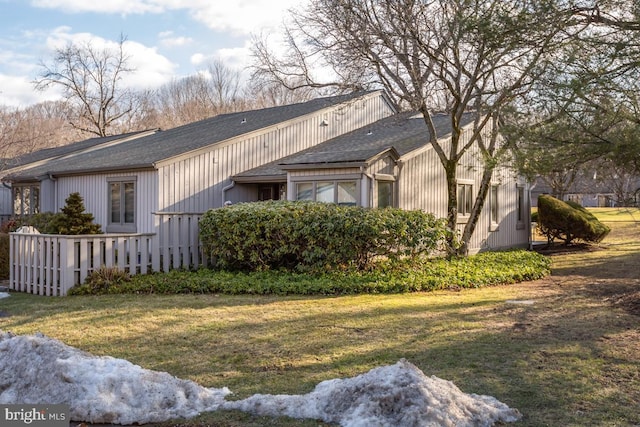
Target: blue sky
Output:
{"points": [[165, 38]]}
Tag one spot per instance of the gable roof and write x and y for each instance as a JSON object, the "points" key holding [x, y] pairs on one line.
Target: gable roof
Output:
{"points": [[146, 152], [36, 157], [404, 132]]}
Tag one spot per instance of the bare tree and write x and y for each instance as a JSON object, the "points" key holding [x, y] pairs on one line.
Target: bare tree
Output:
{"points": [[215, 90], [431, 56], [91, 80], [24, 130]]}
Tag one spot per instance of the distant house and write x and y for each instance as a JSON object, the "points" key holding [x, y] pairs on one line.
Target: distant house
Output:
{"points": [[591, 191], [350, 149]]}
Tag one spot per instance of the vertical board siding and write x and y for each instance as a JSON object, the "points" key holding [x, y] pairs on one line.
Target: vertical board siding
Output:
{"points": [[424, 171], [94, 190], [209, 172]]}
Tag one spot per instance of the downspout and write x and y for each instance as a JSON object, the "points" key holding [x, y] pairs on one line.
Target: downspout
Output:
{"points": [[224, 191]]}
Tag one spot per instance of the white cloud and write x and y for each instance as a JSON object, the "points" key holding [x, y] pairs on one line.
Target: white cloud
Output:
{"points": [[243, 17], [237, 17], [238, 58], [18, 91], [198, 58], [168, 39], [124, 7], [151, 69]]}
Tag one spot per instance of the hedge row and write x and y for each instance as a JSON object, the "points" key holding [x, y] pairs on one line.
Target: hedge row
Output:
{"points": [[311, 236], [485, 269]]}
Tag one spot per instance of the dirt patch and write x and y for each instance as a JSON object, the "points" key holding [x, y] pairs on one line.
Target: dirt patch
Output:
{"points": [[629, 302], [607, 272]]}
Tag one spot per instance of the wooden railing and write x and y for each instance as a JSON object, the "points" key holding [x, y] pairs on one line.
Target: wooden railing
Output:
{"points": [[47, 264], [178, 241]]}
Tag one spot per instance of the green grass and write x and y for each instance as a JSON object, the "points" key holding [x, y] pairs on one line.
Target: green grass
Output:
{"points": [[570, 359], [617, 214]]}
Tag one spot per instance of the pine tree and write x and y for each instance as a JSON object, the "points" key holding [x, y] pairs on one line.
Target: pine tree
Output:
{"points": [[74, 220]]}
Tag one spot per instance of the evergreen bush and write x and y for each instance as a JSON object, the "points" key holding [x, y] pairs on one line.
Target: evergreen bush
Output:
{"points": [[312, 236], [568, 221], [73, 219]]}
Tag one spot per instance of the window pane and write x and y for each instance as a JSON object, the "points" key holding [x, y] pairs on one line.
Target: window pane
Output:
{"points": [[520, 202], [385, 194], [304, 191], [115, 203], [461, 197], [36, 199], [17, 200], [347, 193], [494, 203], [469, 199], [129, 202], [325, 192]]}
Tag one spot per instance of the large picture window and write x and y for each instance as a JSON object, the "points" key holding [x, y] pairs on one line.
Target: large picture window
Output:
{"points": [[122, 197], [340, 192]]}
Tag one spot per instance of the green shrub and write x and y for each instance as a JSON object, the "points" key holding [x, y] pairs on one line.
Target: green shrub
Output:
{"points": [[74, 220], [568, 221], [308, 236], [104, 280], [4, 256], [406, 275]]}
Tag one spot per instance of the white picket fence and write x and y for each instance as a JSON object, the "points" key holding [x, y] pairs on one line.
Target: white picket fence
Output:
{"points": [[47, 264]]}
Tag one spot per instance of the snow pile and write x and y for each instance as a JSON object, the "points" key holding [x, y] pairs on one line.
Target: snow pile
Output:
{"points": [[4, 295], [37, 369], [396, 395]]}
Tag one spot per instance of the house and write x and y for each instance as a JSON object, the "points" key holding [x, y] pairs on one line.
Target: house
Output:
{"points": [[22, 196], [592, 191], [349, 149]]}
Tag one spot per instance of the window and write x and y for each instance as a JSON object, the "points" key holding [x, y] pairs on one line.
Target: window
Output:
{"points": [[520, 201], [347, 195], [122, 197], [494, 208], [340, 192], [385, 194], [304, 191], [26, 199], [465, 199], [494, 204]]}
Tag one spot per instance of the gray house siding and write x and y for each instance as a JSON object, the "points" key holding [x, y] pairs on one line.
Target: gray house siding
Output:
{"points": [[202, 180], [94, 189]]}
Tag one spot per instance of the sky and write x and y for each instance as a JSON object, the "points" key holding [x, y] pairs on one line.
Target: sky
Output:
{"points": [[165, 39]]}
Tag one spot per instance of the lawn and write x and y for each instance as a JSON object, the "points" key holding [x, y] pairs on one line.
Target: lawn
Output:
{"points": [[570, 357]]}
